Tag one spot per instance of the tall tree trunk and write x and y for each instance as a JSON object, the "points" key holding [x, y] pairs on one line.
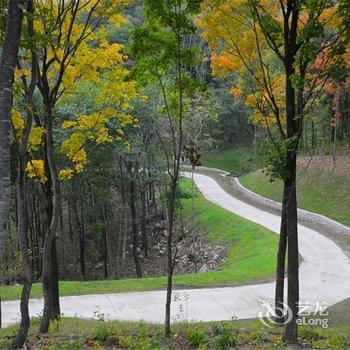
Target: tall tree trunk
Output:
{"points": [[143, 220], [22, 212], [294, 130], [170, 265], [22, 224], [135, 244], [293, 134], [54, 281], [81, 230], [7, 66], [291, 329], [281, 258], [48, 260]]}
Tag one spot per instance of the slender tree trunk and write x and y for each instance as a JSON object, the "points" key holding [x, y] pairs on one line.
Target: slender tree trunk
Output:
{"points": [[291, 329], [135, 245], [81, 236], [105, 252], [170, 265], [22, 211], [54, 284], [281, 258], [143, 221], [48, 262], [294, 129], [22, 225], [7, 67], [293, 134]]}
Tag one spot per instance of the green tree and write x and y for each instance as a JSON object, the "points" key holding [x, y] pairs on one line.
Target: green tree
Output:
{"points": [[162, 58]]}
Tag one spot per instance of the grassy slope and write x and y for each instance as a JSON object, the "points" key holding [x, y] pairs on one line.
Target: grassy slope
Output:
{"points": [[321, 189], [236, 161], [251, 257]]}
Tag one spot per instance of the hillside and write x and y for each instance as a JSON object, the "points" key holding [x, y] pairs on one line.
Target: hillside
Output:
{"points": [[322, 187]]}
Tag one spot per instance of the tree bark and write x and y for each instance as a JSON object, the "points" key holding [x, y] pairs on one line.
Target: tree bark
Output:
{"points": [[49, 263], [293, 135], [135, 244], [7, 66], [170, 265], [291, 329], [143, 221], [22, 225], [22, 212], [281, 258]]}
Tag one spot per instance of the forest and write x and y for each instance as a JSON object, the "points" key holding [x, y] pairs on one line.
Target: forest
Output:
{"points": [[188, 160]]}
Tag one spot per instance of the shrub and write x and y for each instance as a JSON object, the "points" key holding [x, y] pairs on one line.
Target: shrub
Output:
{"points": [[225, 338], [309, 334], [195, 338], [338, 341], [260, 336], [100, 333]]}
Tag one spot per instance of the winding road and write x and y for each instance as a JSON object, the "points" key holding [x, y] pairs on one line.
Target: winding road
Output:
{"points": [[324, 278]]}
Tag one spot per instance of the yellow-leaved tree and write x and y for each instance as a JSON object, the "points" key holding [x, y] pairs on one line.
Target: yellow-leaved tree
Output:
{"points": [[69, 46], [271, 47]]}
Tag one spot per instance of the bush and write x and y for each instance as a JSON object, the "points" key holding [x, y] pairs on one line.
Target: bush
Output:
{"points": [[195, 338], [338, 341], [309, 334], [260, 336], [100, 333], [225, 339]]}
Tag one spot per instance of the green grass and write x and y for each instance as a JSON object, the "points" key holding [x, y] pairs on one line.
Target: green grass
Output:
{"points": [[320, 191], [74, 334], [237, 161], [250, 257]]}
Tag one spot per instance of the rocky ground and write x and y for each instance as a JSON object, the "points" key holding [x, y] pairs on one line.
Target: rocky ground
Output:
{"points": [[193, 252]]}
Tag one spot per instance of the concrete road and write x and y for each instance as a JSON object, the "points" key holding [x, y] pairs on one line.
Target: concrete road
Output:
{"points": [[324, 278]]}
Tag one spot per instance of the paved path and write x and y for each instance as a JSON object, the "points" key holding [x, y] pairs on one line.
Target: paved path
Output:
{"points": [[324, 277]]}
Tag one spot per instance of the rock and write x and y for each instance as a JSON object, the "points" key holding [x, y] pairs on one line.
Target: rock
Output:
{"points": [[216, 257], [204, 268]]}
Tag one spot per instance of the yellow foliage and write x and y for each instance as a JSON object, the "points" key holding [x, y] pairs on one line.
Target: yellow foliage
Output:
{"points": [[65, 174], [36, 138], [18, 123], [240, 48], [36, 171]]}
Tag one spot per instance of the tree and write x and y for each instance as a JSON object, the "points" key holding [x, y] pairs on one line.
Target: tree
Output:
{"points": [[25, 134], [161, 57], [271, 47], [7, 67], [66, 33]]}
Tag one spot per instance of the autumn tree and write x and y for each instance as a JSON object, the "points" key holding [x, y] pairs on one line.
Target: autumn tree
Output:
{"points": [[272, 48], [66, 34]]}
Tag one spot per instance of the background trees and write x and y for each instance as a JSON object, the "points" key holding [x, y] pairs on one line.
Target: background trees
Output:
{"points": [[109, 96]]}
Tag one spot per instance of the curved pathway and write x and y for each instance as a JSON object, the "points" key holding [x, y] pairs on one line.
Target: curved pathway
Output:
{"points": [[324, 277]]}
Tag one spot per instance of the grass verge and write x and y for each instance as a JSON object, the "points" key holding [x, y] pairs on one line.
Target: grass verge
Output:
{"points": [[250, 256], [74, 334]]}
